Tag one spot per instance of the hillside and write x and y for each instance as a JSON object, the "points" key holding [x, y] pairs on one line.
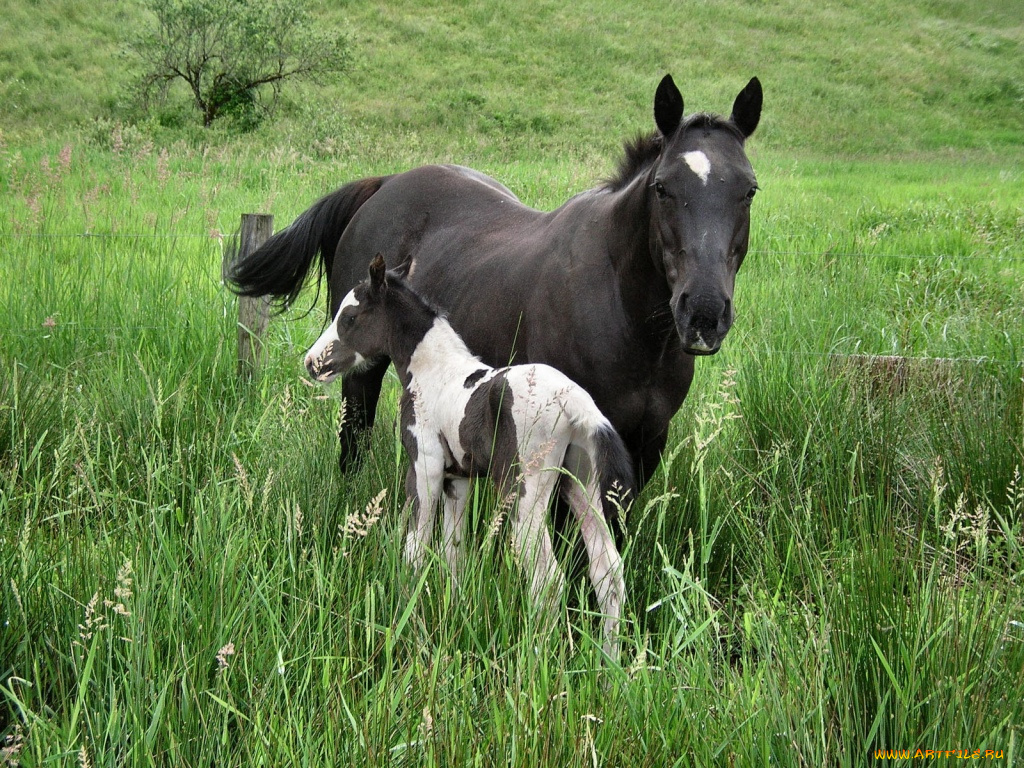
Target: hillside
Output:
{"points": [[861, 78]]}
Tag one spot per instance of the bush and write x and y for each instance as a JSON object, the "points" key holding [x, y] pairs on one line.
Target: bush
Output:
{"points": [[234, 56]]}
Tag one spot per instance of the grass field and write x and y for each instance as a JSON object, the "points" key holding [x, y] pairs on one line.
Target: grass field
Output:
{"points": [[827, 564]]}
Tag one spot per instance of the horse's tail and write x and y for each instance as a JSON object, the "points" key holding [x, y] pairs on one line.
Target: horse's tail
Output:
{"points": [[609, 459], [279, 267]]}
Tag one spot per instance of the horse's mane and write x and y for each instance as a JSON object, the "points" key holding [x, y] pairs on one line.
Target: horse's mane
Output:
{"points": [[640, 152]]}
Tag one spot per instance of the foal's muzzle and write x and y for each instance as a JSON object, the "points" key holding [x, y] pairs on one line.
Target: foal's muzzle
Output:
{"points": [[319, 370], [331, 362], [328, 363]]}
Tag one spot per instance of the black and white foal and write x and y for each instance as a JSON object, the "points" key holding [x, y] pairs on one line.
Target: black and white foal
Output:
{"points": [[525, 426]]}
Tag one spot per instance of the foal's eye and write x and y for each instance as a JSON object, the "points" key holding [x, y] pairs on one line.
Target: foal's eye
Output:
{"points": [[349, 320], [660, 191]]}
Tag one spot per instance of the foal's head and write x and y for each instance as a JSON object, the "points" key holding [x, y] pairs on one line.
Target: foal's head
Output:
{"points": [[363, 329]]}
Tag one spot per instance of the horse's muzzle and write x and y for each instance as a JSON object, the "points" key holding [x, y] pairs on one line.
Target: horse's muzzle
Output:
{"points": [[703, 323]]}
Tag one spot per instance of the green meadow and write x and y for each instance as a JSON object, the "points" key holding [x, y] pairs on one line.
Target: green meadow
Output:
{"points": [[827, 568]]}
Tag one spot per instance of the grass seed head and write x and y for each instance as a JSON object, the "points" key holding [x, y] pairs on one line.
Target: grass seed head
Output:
{"points": [[248, 492], [320, 360], [11, 747], [358, 524], [93, 622], [226, 652], [342, 412], [123, 590]]}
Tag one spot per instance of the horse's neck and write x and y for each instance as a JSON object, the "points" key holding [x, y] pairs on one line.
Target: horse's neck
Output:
{"points": [[641, 272], [439, 349]]}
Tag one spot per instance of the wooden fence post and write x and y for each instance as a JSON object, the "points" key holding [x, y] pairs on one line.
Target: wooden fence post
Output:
{"points": [[253, 311]]}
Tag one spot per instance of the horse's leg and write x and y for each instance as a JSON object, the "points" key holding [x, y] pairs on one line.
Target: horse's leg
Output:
{"points": [[646, 448], [456, 494], [423, 484], [606, 573], [533, 542], [646, 442], [361, 390]]}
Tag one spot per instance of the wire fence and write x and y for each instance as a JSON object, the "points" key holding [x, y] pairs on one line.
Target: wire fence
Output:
{"points": [[47, 328], [901, 256], [827, 252], [127, 330], [109, 235]]}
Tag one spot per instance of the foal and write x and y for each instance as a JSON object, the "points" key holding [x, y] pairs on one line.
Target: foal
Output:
{"points": [[524, 426]]}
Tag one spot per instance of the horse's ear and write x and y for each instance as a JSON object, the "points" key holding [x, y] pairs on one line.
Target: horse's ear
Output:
{"points": [[746, 110], [378, 271], [402, 270], [668, 106]]}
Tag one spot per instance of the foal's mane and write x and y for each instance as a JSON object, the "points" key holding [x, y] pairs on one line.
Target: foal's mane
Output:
{"points": [[398, 288], [640, 152]]}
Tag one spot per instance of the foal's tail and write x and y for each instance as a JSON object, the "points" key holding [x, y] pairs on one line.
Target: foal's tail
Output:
{"points": [[279, 267], [615, 470], [608, 457]]}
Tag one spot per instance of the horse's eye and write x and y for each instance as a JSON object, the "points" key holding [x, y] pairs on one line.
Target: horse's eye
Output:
{"points": [[660, 191], [350, 320], [751, 194]]}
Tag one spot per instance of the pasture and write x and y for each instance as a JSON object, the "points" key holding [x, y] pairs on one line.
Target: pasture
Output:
{"points": [[828, 562]]}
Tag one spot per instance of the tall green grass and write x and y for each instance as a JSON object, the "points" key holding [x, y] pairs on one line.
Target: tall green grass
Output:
{"points": [[827, 563]]}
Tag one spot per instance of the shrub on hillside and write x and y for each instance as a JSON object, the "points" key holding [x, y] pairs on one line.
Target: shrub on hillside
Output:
{"points": [[233, 56]]}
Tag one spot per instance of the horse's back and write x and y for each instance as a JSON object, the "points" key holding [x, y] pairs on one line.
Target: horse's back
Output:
{"points": [[449, 207], [449, 195], [476, 177]]}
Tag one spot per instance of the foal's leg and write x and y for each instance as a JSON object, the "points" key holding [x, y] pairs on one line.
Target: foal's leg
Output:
{"points": [[423, 485], [456, 494], [533, 542], [361, 390], [584, 496]]}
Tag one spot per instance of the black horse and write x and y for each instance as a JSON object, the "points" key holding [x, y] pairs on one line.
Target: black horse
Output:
{"points": [[619, 288]]}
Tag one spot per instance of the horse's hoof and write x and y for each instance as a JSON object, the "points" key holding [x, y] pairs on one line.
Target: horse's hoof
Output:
{"points": [[351, 455]]}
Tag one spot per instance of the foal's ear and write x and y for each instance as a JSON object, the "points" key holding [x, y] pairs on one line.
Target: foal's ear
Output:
{"points": [[746, 110], [668, 106], [377, 273]]}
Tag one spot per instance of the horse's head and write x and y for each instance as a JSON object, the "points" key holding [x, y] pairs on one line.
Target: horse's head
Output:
{"points": [[359, 332], [701, 188]]}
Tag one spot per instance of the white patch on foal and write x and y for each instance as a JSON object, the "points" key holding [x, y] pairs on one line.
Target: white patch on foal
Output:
{"points": [[699, 164], [330, 334], [439, 359], [348, 301]]}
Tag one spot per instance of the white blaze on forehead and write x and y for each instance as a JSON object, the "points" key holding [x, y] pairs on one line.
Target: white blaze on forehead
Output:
{"points": [[348, 301], [327, 338], [330, 334], [699, 164]]}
